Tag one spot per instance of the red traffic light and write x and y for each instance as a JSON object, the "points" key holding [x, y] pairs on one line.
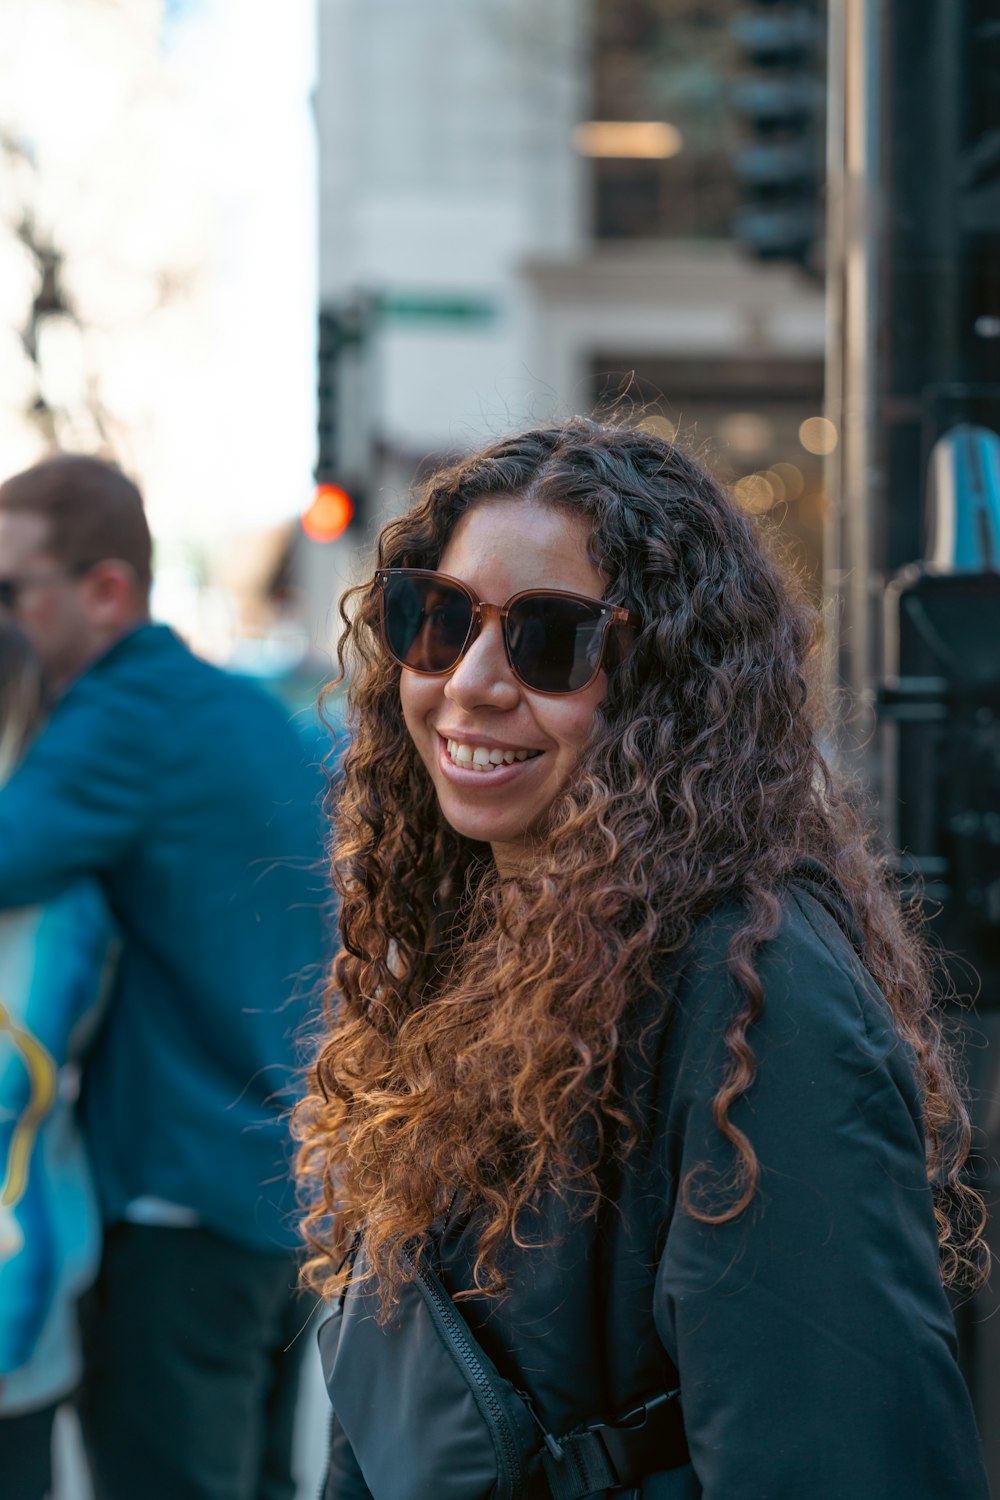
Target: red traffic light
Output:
{"points": [[329, 515]]}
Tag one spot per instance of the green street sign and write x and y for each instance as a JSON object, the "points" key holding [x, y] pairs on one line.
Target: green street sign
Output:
{"points": [[435, 307]]}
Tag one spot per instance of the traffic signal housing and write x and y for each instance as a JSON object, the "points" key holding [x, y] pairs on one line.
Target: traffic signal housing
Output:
{"points": [[342, 458], [778, 107], [940, 705], [329, 354]]}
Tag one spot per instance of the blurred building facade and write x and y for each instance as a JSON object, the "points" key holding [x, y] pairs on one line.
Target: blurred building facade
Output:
{"points": [[524, 213]]}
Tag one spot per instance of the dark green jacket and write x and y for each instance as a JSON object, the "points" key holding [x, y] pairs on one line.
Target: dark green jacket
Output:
{"points": [[811, 1339]]}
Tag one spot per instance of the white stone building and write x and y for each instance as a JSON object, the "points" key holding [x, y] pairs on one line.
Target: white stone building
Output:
{"points": [[497, 274]]}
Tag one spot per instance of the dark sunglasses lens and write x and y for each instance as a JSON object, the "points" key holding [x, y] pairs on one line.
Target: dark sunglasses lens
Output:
{"points": [[426, 621], [555, 644], [8, 593]]}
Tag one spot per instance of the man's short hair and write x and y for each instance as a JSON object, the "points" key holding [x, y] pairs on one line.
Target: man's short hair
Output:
{"points": [[94, 512]]}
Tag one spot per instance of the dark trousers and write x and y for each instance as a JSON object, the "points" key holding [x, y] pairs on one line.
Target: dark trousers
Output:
{"points": [[26, 1455], [192, 1351]]}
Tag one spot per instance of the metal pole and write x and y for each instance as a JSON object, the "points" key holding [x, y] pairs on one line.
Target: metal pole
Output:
{"points": [[853, 481]]}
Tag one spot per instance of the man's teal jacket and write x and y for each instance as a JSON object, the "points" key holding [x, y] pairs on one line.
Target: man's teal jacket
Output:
{"points": [[192, 798]]}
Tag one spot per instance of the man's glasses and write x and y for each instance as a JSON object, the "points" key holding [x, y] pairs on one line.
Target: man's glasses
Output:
{"points": [[556, 642], [11, 588]]}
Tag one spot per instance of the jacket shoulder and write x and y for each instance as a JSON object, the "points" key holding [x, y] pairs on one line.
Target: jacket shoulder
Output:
{"points": [[152, 675], [820, 1010]]}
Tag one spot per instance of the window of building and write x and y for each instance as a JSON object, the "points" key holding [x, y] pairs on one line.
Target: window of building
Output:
{"points": [[668, 61]]}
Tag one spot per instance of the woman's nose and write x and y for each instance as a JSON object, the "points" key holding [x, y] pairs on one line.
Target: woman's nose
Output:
{"points": [[483, 676]]}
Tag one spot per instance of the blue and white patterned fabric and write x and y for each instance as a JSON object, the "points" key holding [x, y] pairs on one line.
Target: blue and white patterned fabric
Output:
{"points": [[54, 960]]}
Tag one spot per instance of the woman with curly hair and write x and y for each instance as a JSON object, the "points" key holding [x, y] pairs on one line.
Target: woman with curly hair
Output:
{"points": [[635, 1110]]}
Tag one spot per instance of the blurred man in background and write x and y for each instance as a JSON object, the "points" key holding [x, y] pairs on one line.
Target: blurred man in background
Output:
{"points": [[189, 795]]}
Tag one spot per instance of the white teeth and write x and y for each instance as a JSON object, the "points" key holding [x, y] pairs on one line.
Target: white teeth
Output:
{"points": [[479, 758]]}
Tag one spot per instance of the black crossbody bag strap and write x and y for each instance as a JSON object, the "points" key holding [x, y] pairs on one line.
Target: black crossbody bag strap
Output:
{"points": [[498, 1431], [611, 1455], [597, 1456]]}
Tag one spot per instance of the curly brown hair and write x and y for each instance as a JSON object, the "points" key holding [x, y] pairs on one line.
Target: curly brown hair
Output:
{"points": [[474, 1020]]}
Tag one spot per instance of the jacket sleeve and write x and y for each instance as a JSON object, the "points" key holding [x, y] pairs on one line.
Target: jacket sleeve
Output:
{"points": [[80, 795], [815, 1345], [344, 1480]]}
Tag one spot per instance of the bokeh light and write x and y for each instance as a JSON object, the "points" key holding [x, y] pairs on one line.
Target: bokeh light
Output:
{"points": [[777, 484], [329, 515], [747, 432], [818, 435], [659, 426], [754, 494], [792, 479]]}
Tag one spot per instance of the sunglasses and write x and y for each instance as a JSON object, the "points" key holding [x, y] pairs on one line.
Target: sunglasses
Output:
{"points": [[556, 642]]}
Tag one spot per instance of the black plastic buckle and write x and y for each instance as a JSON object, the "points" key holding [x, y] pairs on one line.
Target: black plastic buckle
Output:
{"points": [[649, 1438]]}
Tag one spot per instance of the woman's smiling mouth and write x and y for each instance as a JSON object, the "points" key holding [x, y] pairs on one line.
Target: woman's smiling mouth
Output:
{"points": [[475, 760], [487, 757]]}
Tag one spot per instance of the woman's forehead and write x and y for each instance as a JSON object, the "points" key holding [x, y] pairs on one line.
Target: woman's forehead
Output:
{"points": [[513, 544]]}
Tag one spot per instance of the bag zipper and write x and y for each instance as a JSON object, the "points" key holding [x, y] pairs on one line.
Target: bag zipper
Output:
{"points": [[468, 1351]]}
